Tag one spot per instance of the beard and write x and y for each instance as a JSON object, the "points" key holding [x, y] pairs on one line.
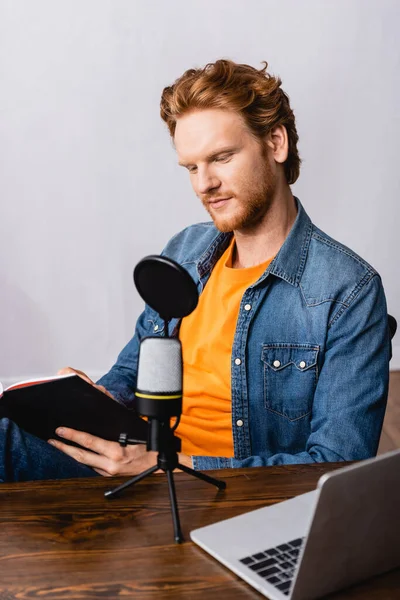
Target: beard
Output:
{"points": [[250, 206]]}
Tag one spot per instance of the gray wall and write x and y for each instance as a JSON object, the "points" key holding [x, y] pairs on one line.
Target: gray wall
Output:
{"points": [[88, 177]]}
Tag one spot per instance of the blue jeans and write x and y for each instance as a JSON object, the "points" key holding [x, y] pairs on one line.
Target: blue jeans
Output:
{"points": [[24, 457]]}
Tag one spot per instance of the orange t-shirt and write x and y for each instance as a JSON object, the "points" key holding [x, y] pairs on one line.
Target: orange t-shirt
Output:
{"points": [[207, 337]]}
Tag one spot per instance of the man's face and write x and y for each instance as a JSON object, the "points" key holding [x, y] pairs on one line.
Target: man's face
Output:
{"points": [[231, 172]]}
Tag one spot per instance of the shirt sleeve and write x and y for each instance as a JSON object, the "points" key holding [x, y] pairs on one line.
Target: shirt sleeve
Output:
{"points": [[351, 394], [120, 380]]}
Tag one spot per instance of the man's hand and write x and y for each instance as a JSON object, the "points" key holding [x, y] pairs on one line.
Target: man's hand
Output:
{"points": [[108, 458], [70, 370], [105, 457], [186, 460]]}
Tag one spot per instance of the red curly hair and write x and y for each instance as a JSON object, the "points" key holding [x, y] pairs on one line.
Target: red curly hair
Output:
{"points": [[254, 94]]}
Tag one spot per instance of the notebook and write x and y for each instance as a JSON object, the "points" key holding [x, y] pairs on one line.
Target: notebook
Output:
{"points": [[40, 406]]}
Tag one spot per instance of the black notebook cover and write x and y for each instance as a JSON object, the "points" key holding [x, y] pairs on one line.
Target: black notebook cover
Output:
{"points": [[70, 401]]}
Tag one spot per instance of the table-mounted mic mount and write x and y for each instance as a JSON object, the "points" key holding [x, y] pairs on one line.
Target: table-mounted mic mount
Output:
{"points": [[169, 290]]}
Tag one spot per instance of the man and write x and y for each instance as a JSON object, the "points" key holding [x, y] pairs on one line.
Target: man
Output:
{"points": [[286, 356]]}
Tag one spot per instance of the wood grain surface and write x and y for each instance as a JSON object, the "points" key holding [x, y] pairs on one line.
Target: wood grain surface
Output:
{"points": [[63, 539], [390, 438]]}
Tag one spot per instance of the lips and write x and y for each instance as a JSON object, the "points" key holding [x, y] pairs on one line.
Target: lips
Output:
{"points": [[218, 202]]}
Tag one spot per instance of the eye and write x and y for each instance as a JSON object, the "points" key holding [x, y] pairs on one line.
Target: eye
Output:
{"points": [[192, 169], [223, 158]]}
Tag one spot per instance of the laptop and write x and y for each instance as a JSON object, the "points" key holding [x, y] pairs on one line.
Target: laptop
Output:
{"points": [[344, 531]]}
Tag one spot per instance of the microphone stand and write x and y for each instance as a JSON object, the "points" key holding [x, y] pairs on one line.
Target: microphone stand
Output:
{"points": [[162, 438]]}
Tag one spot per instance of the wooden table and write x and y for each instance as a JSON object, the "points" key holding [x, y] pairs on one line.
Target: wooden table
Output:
{"points": [[63, 539]]}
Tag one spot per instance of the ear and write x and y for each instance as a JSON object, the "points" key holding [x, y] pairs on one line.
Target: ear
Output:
{"points": [[277, 140]]}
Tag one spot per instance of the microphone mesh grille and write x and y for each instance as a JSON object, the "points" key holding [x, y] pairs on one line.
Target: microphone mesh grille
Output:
{"points": [[160, 365]]}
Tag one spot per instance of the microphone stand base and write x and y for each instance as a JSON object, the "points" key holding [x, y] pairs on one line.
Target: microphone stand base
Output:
{"points": [[168, 464]]}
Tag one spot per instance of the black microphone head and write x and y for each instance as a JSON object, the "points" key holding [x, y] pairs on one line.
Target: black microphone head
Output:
{"points": [[159, 380], [166, 286]]}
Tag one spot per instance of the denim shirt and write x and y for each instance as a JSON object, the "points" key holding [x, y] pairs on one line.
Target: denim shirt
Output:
{"points": [[310, 356]]}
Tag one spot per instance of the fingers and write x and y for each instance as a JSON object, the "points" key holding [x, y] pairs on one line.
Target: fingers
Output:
{"points": [[102, 473], [95, 452], [105, 457], [85, 457], [103, 389], [71, 371], [65, 371], [91, 442]]}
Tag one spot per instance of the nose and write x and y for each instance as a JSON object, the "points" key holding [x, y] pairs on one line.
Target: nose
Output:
{"points": [[206, 181]]}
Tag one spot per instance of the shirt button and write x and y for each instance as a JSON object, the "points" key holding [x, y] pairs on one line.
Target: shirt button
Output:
{"points": [[247, 307], [155, 328], [302, 364], [238, 361], [239, 423], [277, 363]]}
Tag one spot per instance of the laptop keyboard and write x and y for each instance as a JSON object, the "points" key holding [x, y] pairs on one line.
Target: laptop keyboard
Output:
{"points": [[276, 565]]}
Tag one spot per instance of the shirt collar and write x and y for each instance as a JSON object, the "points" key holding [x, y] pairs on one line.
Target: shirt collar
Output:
{"points": [[290, 261]]}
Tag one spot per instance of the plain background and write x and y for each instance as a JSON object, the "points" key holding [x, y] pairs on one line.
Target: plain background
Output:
{"points": [[89, 181]]}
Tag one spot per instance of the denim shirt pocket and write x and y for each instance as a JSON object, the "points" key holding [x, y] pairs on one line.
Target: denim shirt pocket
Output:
{"points": [[290, 378]]}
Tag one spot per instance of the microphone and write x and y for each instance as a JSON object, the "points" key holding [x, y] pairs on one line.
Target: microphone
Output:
{"points": [[159, 379], [169, 290], [159, 391]]}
